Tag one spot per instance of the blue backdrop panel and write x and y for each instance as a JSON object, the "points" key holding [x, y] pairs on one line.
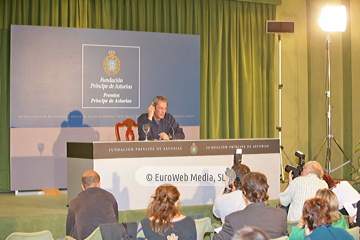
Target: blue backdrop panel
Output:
{"points": [[57, 70], [72, 84]]}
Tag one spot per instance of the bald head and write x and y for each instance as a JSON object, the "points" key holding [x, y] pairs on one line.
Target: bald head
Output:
{"points": [[90, 179], [313, 167]]}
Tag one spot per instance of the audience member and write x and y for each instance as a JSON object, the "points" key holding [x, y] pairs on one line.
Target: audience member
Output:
{"points": [[317, 220], [234, 201], [272, 220], [344, 192], [250, 233], [164, 218], [92, 207], [357, 216], [302, 188], [337, 219]]}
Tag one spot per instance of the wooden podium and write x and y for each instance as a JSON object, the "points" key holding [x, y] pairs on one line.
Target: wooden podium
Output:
{"points": [[131, 171]]}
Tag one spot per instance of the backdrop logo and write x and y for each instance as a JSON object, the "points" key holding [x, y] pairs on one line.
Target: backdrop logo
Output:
{"points": [[193, 149], [111, 63]]}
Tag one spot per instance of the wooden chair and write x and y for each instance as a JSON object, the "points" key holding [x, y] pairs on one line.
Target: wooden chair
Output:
{"points": [[129, 135]]}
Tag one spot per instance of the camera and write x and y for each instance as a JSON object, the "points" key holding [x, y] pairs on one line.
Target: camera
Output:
{"points": [[296, 171], [238, 156]]}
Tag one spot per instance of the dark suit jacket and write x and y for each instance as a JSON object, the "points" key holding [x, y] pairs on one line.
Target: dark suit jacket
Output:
{"points": [[88, 210], [162, 126], [271, 220]]}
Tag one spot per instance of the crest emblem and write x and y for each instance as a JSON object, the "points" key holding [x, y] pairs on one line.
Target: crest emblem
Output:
{"points": [[193, 149], [172, 237], [111, 63]]}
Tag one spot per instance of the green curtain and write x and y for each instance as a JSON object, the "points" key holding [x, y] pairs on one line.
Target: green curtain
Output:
{"points": [[237, 75]]}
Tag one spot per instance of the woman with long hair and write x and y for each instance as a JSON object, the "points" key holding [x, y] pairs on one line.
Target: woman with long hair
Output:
{"points": [[336, 218], [164, 219]]}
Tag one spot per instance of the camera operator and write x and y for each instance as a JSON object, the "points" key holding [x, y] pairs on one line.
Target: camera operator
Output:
{"points": [[302, 188], [232, 200]]}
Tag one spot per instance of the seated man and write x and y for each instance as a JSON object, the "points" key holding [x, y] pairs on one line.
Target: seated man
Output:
{"points": [[302, 188], [234, 201], [272, 220], [163, 126], [92, 207]]}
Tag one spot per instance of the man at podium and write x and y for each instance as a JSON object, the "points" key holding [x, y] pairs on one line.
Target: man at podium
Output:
{"points": [[163, 125]]}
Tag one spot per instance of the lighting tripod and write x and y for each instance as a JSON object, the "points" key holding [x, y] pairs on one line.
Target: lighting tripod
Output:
{"points": [[278, 128], [329, 136]]}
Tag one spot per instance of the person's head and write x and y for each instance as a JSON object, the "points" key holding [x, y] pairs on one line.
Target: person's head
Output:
{"points": [[254, 186], [240, 170], [315, 213], [332, 199], [250, 233], [313, 167], [90, 179], [161, 104], [330, 181], [163, 207]]}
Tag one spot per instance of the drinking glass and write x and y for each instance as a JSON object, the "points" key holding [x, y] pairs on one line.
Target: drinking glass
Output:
{"points": [[146, 129]]}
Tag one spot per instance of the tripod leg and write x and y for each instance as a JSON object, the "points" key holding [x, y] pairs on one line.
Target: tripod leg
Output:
{"points": [[328, 160], [287, 156], [318, 152], [336, 142], [282, 168]]}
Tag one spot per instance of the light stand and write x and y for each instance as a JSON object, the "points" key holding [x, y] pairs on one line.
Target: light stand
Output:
{"points": [[279, 127], [280, 27], [328, 15]]}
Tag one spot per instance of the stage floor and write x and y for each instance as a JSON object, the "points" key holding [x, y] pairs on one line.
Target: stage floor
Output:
{"points": [[31, 205], [32, 213]]}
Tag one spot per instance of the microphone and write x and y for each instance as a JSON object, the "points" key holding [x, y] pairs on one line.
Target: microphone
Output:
{"points": [[172, 137]]}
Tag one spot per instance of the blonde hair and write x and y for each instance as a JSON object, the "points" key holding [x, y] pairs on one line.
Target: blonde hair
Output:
{"points": [[332, 199]]}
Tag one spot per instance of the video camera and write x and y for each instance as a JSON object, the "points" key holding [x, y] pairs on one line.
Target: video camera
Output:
{"points": [[301, 161]]}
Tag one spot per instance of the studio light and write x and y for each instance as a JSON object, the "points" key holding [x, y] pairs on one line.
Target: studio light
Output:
{"points": [[333, 19]]}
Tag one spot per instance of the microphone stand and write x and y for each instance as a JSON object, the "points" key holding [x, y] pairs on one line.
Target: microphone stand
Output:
{"points": [[173, 131]]}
